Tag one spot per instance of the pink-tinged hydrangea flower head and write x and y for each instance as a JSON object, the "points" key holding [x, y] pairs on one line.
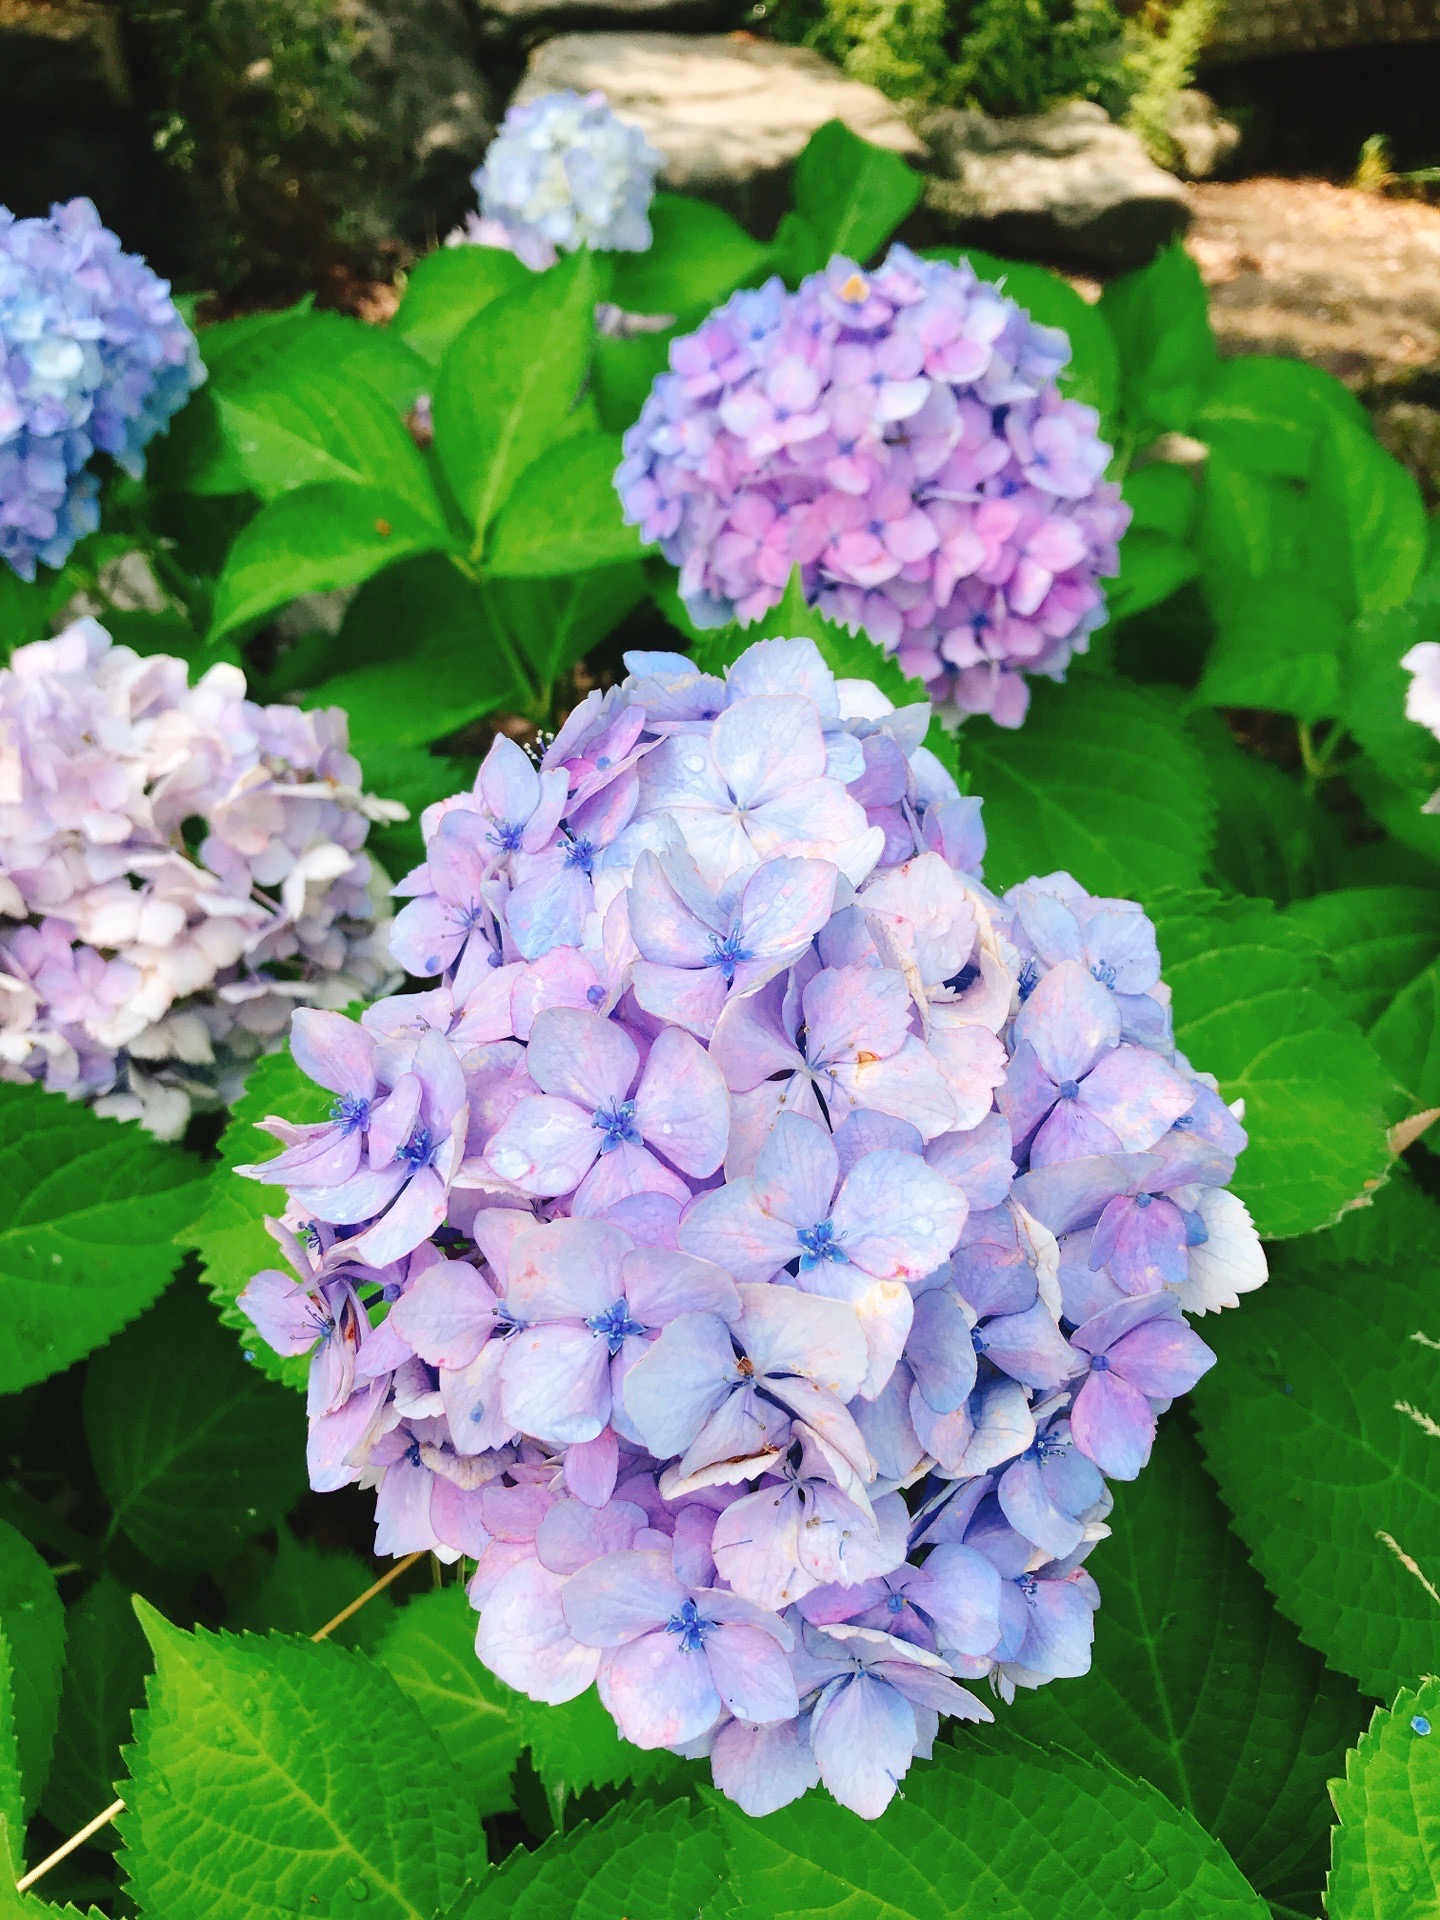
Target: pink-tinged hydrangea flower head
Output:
{"points": [[94, 358], [900, 437], [179, 868], [757, 1243]]}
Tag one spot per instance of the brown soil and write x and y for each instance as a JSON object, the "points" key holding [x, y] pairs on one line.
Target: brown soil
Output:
{"points": [[1347, 280]]}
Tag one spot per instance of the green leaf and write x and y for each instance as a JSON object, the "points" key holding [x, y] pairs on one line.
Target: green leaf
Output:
{"points": [[575, 1746], [851, 194], [1374, 504], [312, 540], [1251, 525], [1163, 498], [272, 1777], [429, 1647], [990, 1826], [305, 1586], [228, 1232], [1197, 1684], [1374, 939], [331, 428], [447, 289], [302, 339], [1270, 415], [1092, 374], [1152, 567], [1160, 318], [32, 1620], [1386, 1862], [1102, 781], [623, 373], [508, 384], [1252, 1006], [431, 692], [564, 515], [1320, 1425], [1280, 647], [12, 1804], [1407, 1038], [416, 778], [640, 1861], [698, 257], [105, 1672], [195, 1450], [1301, 850], [555, 623], [90, 1208]]}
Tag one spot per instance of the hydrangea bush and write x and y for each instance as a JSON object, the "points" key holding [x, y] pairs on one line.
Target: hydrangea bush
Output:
{"points": [[94, 358], [564, 172], [179, 869], [900, 437], [761, 1242]]}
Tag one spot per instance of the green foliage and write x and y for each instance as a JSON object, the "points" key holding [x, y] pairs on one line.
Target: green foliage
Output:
{"points": [[1198, 1685], [90, 1211], [849, 199], [644, 1861], [1387, 1846], [1021, 56], [1319, 1426], [229, 1233], [560, 517], [273, 1776], [697, 259], [446, 290], [105, 1667], [1253, 1005], [1029, 1833], [304, 1586], [32, 1621], [1101, 782], [196, 1451]]}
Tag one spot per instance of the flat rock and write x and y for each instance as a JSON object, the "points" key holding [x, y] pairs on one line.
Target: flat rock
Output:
{"points": [[523, 23], [1068, 186], [729, 112]]}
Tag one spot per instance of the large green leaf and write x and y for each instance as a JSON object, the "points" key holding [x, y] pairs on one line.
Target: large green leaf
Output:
{"points": [[1102, 781], [1197, 1684], [88, 1213], [1252, 1005], [1387, 1846], [314, 539], [1322, 1426], [12, 1802], [1375, 503], [698, 256], [1301, 849], [305, 1586], [32, 1620], [228, 1232], [508, 383], [105, 1667], [1407, 1038], [851, 195], [275, 1777], [555, 623], [1160, 317], [303, 338], [1280, 647], [1152, 567], [196, 1451], [563, 515], [575, 1746], [1269, 414], [429, 1647], [447, 289], [639, 1861], [990, 1826], [1375, 941]]}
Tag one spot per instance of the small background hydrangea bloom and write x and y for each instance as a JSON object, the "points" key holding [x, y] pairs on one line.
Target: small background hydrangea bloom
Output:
{"points": [[757, 1243], [900, 437], [94, 358], [564, 172], [178, 868], [1422, 696]]}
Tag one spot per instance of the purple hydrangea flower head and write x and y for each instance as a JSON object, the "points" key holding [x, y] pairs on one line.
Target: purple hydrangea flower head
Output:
{"points": [[563, 172], [757, 1244], [179, 870], [900, 437], [94, 358]]}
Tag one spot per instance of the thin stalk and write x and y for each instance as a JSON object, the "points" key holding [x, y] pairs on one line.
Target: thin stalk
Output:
{"points": [[116, 1807], [536, 697]]}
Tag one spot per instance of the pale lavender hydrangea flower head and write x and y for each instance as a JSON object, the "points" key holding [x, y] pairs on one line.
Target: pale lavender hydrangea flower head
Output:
{"points": [[1422, 696], [900, 438], [179, 868], [756, 1243], [94, 358]]}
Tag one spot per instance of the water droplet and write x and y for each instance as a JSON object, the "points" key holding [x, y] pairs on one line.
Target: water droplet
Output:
{"points": [[250, 1708], [1420, 1724], [667, 1128], [357, 1888], [223, 1737], [159, 1784], [694, 763], [248, 1353]]}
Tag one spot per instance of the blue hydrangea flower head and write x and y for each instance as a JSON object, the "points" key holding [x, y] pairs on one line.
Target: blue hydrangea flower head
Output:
{"points": [[725, 1251], [900, 437], [565, 172], [94, 358]]}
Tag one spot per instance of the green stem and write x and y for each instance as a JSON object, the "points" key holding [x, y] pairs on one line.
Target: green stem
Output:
{"points": [[536, 697], [1316, 757]]}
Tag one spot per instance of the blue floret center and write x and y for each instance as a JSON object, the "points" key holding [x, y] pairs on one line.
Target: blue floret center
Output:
{"points": [[727, 954], [617, 1125], [819, 1243], [615, 1325], [690, 1627], [350, 1112]]}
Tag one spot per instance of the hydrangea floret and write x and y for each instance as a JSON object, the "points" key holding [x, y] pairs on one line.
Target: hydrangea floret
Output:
{"points": [[756, 1243], [899, 437], [179, 868], [564, 172], [94, 358], [1422, 696]]}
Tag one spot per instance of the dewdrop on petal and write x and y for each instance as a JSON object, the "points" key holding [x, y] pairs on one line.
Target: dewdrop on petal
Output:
{"points": [[179, 869], [757, 1243], [900, 437]]}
